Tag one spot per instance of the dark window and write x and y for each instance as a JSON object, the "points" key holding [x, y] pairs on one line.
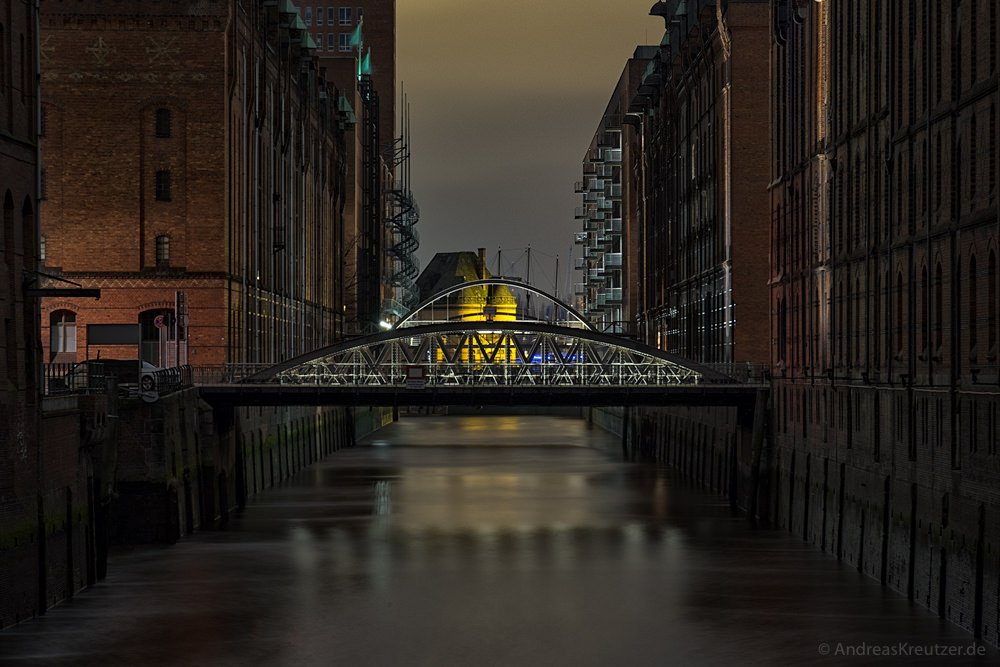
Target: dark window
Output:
{"points": [[992, 152], [163, 123], [163, 185], [924, 312], [319, 16], [346, 16], [3, 59], [938, 307], [162, 250], [973, 306], [973, 156], [991, 302], [973, 36]]}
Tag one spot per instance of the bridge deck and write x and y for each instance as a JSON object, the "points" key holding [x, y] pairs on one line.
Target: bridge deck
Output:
{"points": [[591, 396]]}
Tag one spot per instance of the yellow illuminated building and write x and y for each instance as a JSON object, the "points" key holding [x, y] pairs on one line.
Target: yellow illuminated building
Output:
{"points": [[480, 303]]}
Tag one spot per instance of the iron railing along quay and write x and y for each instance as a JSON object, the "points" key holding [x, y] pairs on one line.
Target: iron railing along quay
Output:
{"points": [[173, 379], [73, 378]]}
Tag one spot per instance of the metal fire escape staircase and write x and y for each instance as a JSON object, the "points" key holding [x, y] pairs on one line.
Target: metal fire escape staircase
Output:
{"points": [[402, 239]]}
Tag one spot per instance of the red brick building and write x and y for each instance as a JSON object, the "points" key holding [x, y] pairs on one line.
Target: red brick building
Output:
{"points": [[19, 402], [702, 107], [194, 148], [884, 293], [371, 149]]}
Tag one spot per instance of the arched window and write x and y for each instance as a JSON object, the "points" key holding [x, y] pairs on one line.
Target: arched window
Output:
{"points": [[163, 123], [62, 332], [782, 330], [973, 306], [925, 314], [3, 60], [938, 307], [991, 303], [163, 250], [973, 157], [899, 312], [876, 339]]}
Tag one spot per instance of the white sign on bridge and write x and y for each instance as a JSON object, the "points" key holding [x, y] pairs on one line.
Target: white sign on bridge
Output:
{"points": [[416, 377]]}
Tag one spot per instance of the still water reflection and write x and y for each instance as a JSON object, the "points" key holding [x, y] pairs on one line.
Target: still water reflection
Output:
{"points": [[479, 540]]}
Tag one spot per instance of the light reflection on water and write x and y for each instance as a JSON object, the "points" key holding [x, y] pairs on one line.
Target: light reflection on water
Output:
{"points": [[497, 540]]}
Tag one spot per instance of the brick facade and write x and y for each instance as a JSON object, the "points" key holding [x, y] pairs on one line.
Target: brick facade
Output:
{"points": [[369, 179], [884, 294], [217, 171], [703, 110]]}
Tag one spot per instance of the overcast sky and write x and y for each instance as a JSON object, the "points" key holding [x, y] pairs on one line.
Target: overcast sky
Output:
{"points": [[504, 99]]}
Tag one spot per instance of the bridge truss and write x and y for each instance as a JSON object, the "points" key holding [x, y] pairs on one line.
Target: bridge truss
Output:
{"points": [[486, 354]]}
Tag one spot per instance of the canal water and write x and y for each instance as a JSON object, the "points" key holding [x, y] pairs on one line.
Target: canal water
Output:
{"points": [[484, 540]]}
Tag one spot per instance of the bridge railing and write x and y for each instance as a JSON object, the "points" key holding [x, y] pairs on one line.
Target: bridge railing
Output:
{"points": [[225, 373], [739, 373], [443, 373]]}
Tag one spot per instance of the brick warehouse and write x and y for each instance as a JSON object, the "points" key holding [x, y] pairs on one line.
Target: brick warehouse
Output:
{"points": [[47, 546], [884, 294], [371, 149], [701, 112], [705, 116], [191, 147]]}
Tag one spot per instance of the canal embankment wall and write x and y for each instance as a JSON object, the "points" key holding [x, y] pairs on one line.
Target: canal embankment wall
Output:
{"points": [[184, 466], [49, 517], [112, 470], [914, 523]]}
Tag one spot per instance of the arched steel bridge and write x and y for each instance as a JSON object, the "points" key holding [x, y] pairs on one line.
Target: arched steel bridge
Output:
{"points": [[527, 362]]}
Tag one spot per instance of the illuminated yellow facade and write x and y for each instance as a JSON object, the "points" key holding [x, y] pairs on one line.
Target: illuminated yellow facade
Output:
{"points": [[480, 303]]}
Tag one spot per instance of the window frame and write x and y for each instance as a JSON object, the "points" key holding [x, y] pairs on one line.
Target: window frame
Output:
{"points": [[163, 186], [161, 250]]}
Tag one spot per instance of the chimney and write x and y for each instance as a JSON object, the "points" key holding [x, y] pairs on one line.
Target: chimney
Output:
{"points": [[482, 263]]}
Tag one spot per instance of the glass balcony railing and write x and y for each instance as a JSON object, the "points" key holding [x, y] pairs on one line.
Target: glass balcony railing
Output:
{"points": [[613, 259], [613, 225], [612, 155]]}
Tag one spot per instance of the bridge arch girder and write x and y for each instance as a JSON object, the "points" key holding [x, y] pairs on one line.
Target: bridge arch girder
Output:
{"points": [[489, 353], [404, 322]]}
